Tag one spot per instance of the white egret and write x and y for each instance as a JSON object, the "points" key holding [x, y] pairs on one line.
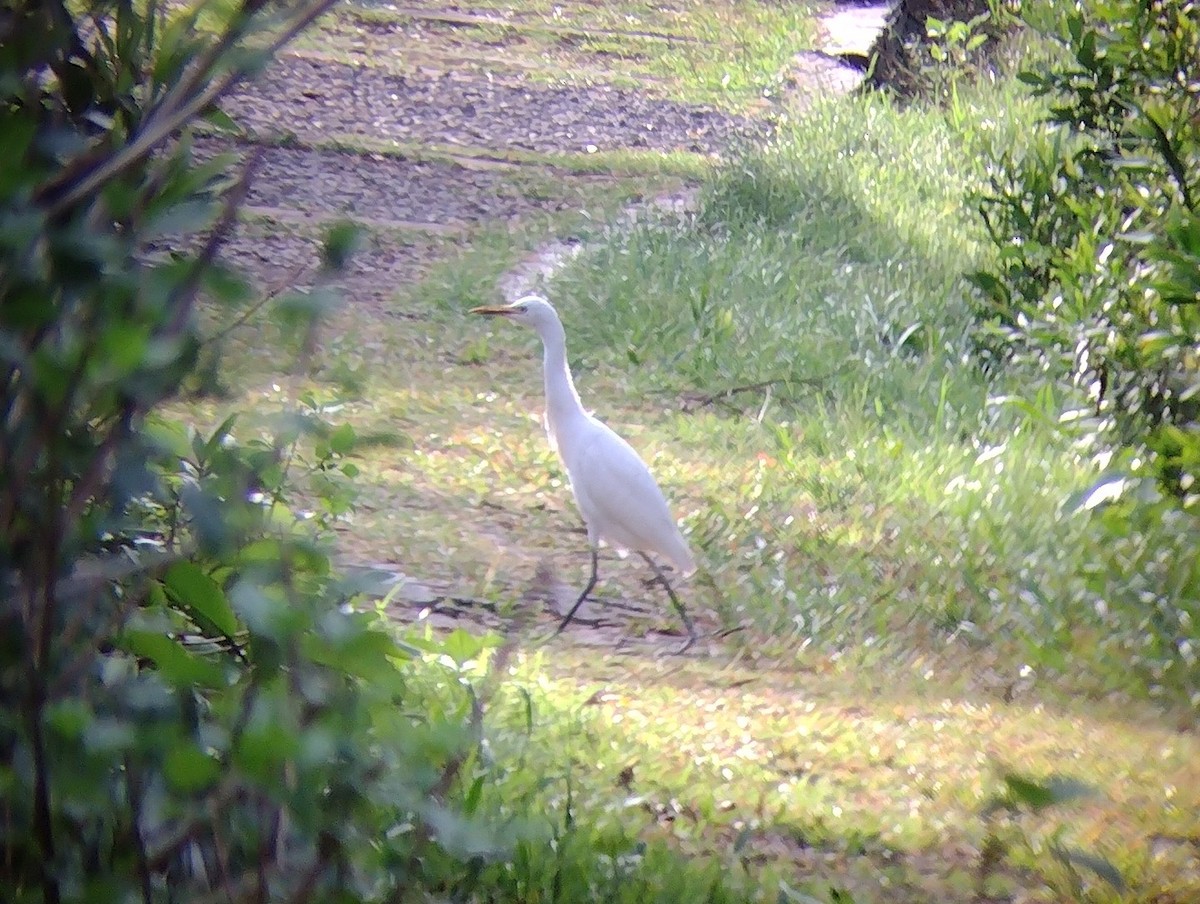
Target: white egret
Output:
{"points": [[619, 499]]}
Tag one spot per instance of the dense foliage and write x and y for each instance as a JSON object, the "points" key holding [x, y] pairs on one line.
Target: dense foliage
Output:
{"points": [[187, 709], [1096, 289]]}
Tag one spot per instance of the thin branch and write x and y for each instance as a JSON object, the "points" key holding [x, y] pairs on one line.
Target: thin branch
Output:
{"points": [[157, 860], [224, 792], [268, 815], [701, 400], [276, 289], [173, 111], [43, 826], [89, 484], [89, 584], [183, 294], [220, 852], [133, 791], [1178, 170], [307, 884]]}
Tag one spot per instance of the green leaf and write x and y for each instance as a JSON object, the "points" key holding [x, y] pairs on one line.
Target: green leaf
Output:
{"points": [[463, 837], [264, 747], [341, 242], [207, 517], [341, 441], [180, 219], [474, 794], [122, 348], [174, 663], [1075, 27], [107, 735], [1094, 862], [168, 435], [217, 437], [189, 769], [1040, 795], [68, 718], [365, 653], [222, 121], [227, 286], [296, 310], [461, 646], [190, 587]]}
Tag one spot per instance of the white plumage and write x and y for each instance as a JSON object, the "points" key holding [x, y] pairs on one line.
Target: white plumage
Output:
{"points": [[619, 499]]}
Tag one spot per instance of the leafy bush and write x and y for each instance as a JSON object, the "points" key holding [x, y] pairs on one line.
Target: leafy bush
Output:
{"points": [[1096, 288], [188, 707]]}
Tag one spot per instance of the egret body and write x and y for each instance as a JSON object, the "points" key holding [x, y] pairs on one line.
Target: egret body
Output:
{"points": [[618, 497]]}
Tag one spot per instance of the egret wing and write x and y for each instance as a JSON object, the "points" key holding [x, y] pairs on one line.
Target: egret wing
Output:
{"points": [[619, 497]]}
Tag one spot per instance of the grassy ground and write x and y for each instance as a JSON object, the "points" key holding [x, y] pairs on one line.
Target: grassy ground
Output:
{"points": [[890, 573]]}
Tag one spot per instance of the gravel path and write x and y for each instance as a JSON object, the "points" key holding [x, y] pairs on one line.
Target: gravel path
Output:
{"points": [[314, 100], [281, 257], [382, 190]]}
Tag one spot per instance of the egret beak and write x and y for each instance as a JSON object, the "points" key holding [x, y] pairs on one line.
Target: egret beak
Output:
{"points": [[492, 310]]}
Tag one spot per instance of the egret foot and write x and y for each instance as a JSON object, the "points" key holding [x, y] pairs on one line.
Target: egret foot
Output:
{"points": [[675, 601], [591, 585]]}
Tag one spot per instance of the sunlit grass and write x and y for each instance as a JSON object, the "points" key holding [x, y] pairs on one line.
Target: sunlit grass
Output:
{"points": [[623, 162], [816, 772]]}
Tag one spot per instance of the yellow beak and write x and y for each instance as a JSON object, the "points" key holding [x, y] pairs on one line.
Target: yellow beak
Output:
{"points": [[490, 309]]}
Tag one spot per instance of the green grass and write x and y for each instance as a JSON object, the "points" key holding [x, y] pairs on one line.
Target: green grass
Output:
{"points": [[890, 536], [811, 772], [621, 162]]}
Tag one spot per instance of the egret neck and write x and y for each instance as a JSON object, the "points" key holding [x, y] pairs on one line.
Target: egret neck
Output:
{"points": [[563, 407]]}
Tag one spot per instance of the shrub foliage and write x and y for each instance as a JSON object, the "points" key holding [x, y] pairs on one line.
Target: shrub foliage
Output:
{"points": [[1096, 288], [188, 711]]}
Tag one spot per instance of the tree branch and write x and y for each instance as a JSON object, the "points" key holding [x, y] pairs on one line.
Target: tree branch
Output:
{"points": [[701, 400], [184, 102]]}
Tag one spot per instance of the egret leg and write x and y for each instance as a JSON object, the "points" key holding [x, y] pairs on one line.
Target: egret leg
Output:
{"points": [[687, 622], [591, 584]]}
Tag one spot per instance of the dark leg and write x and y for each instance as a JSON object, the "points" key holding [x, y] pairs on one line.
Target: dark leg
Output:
{"points": [[586, 590], [687, 622]]}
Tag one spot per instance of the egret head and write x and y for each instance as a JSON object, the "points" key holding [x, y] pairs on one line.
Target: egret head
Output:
{"points": [[531, 310]]}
